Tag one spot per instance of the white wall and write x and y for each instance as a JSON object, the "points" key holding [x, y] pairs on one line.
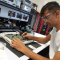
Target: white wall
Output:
{"points": [[40, 3]]}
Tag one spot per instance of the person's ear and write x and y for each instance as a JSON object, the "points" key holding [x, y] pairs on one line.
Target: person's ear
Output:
{"points": [[57, 13]]}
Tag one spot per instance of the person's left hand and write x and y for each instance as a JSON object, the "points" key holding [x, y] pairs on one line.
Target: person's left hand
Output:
{"points": [[18, 44]]}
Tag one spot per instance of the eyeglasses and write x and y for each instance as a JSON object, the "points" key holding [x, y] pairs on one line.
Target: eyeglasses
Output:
{"points": [[48, 16]]}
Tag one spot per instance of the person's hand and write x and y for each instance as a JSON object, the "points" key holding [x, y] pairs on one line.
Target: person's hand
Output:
{"points": [[18, 44], [26, 35]]}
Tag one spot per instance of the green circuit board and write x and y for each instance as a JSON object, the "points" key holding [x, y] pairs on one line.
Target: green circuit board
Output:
{"points": [[11, 36]]}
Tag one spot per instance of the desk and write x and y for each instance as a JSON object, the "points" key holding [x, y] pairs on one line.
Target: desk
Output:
{"points": [[12, 56]]}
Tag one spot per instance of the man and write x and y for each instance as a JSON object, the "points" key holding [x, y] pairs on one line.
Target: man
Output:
{"points": [[51, 15]]}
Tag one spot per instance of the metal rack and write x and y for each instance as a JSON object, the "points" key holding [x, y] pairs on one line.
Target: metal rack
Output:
{"points": [[12, 7]]}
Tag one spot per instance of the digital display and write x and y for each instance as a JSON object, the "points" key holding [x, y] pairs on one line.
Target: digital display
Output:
{"points": [[27, 1], [11, 0], [26, 8]]}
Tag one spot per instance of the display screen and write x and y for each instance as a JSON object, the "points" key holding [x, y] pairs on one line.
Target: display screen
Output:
{"points": [[27, 1], [11, 0], [26, 8]]}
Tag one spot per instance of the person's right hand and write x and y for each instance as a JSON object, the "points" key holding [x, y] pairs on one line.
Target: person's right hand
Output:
{"points": [[27, 35]]}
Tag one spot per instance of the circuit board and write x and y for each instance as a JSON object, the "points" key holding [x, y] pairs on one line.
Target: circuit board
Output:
{"points": [[11, 36]]}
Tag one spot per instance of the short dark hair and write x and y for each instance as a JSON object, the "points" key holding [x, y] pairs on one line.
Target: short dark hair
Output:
{"points": [[51, 6]]}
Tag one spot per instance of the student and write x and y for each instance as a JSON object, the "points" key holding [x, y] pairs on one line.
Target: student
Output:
{"points": [[51, 15]]}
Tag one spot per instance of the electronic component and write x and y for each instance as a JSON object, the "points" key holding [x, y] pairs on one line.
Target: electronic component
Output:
{"points": [[15, 3], [4, 1], [11, 14], [19, 15], [18, 3], [11, 0], [25, 17], [8, 36], [27, 8], [26, 5], [32, 47]]}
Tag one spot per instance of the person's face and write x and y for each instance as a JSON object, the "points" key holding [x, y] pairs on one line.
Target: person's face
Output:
{"points": [[50, 18]]}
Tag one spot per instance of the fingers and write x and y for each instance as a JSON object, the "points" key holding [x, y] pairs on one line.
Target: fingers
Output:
{"points": [[15, 41], [18, 39], [24, 34], [17, 44], [12, 42]]}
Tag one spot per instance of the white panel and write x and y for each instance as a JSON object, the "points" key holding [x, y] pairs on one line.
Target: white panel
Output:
{"points": [[4, 13]]}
